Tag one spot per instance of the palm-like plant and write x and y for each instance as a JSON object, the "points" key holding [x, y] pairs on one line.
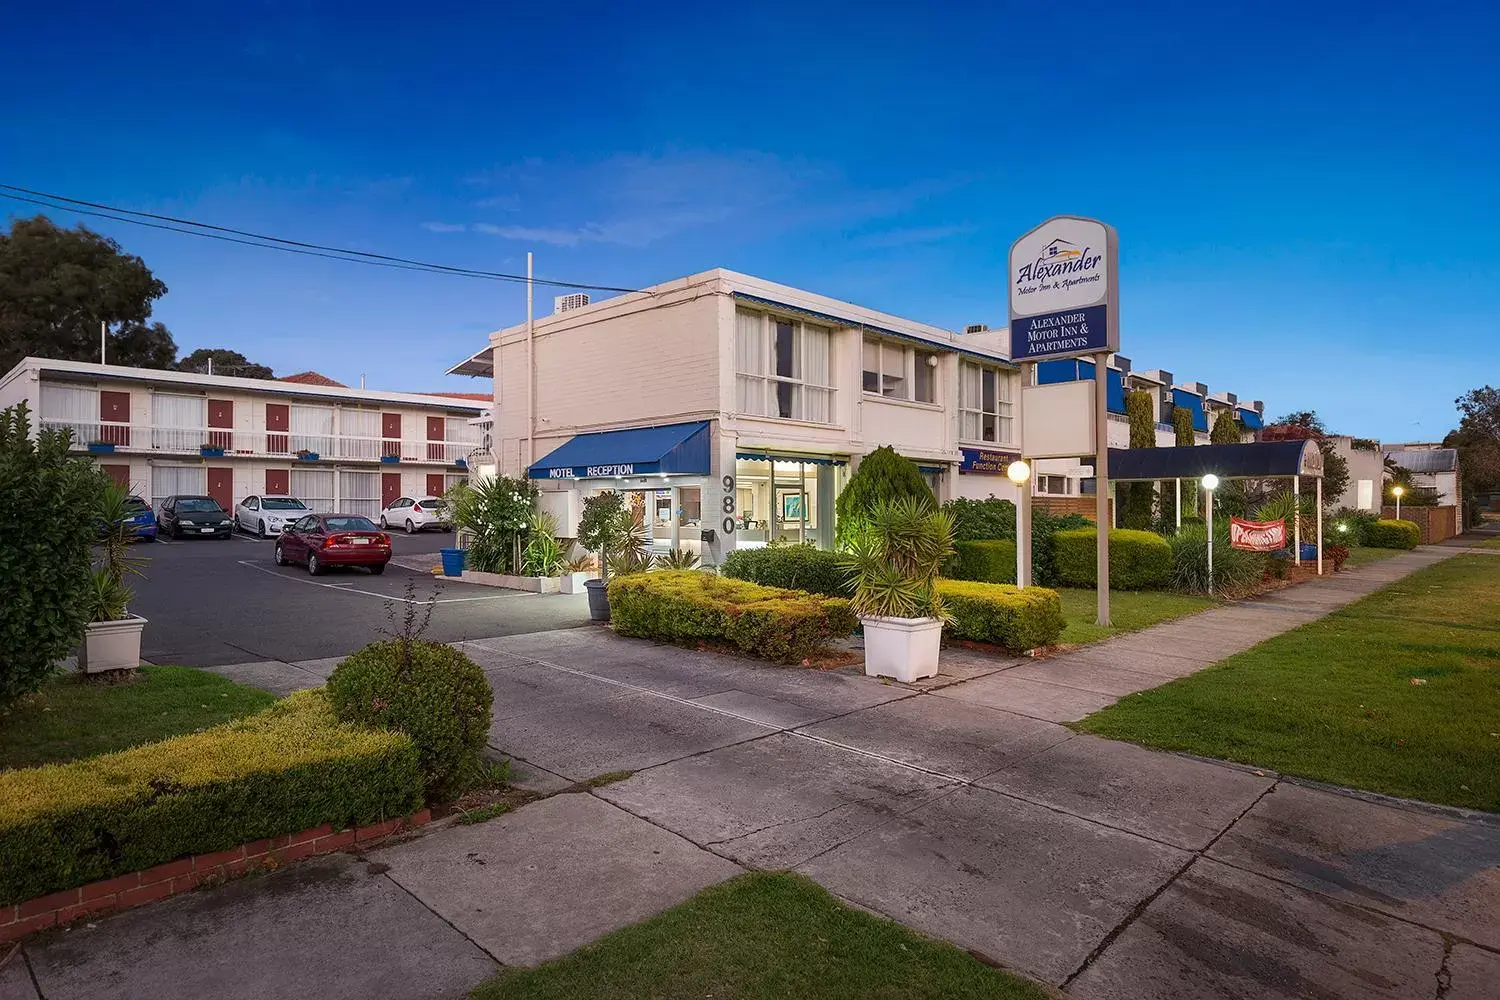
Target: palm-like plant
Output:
{"points": [[894, 559], [543, 555], [109, 595], [677, 559]]}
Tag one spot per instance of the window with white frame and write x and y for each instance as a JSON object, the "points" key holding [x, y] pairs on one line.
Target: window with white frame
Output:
{"points": [[895, 370], [783, 368], [312, 429], [178, 422], [314, 487], [1055, 486], [985, 406], [177, 480], [74, 408]]}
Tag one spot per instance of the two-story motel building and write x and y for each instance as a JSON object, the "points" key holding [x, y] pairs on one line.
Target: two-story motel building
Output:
{"points": [[731, 409]]}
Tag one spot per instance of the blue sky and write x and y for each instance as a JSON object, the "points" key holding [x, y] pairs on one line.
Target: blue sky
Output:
{"points": [[1306, 195]]}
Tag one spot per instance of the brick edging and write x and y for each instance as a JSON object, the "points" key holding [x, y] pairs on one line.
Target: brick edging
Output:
{"points": [[184, 874]]}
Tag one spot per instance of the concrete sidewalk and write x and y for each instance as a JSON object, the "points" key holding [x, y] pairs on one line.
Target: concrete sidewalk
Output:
{"points": [[960, 808]]}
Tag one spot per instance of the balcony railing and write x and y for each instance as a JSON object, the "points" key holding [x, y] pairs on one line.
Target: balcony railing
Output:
{"points": [[139, 438]]}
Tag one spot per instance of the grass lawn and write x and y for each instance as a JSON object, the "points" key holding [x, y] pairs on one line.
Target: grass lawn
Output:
{"points": [[72, 718], [758, 937], [1397, 693], [1363, 555], [1489, 543], [1129, 611]]}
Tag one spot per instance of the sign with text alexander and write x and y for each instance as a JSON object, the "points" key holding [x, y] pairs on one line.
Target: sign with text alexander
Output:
{"points": [[1257, 536], [1064, 281]]}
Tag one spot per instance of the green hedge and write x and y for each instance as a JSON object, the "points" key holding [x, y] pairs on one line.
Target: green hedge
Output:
{"points": [[289, 768], [1385, 534], [1138, 560], [791, 567], [991, 561], [1002, 614], [688, 606]]}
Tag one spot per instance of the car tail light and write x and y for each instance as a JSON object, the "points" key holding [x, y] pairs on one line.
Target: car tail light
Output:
{"points": [[416, 506], [383, 540], [332, 540]]}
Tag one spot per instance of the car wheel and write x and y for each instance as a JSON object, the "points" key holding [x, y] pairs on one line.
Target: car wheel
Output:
{"points": [[383, 525], [313, 566], [260, 530], [176, 531], [148, 538], [377, 570], [280, 556], [411, 529]]}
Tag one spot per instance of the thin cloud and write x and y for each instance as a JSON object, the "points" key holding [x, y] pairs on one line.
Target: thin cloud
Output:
{"points": [[444, 227], [916, 234]]}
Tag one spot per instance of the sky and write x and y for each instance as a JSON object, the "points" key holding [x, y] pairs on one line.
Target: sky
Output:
{"points": [[1306, 195]]}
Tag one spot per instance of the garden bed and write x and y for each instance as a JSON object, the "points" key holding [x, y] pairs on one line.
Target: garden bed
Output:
{"points": [[533, 584]]}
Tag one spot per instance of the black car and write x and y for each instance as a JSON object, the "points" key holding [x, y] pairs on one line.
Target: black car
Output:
{"points": [[200, 517]]}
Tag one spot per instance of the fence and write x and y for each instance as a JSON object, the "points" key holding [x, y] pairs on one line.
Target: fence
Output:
{"points": [[1058, 506], [1435, 523]]}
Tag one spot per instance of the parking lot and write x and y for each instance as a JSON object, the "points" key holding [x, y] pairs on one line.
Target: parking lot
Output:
{"points": [[212, 602]]}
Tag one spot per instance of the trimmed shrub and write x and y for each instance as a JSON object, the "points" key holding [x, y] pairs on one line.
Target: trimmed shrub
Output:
{"points": [[790, 567], [991, 561], [1002, 614], [1357, 522], [688, 607], [1236, 571], [427, 690], [1386, 534], [1138, 560], [291, 767], [981, 520], [882, 475], [1044, 528]]}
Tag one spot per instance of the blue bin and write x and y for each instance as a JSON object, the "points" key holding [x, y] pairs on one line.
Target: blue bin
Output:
{"points": [[1309, 552], [453, 562]]}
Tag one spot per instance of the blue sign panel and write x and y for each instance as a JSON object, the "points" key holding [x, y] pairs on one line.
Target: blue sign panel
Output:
{"points": [[1060, 334], [985, 461]]}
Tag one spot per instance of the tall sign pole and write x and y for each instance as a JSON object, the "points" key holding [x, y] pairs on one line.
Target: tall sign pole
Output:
{"points": [[1064, 303]]}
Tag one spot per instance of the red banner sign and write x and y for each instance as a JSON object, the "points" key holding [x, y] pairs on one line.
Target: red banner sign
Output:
{"points": [[1257, 536]]}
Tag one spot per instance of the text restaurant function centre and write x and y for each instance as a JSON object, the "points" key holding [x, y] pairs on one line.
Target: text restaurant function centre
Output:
{"points": [[731, 410]]}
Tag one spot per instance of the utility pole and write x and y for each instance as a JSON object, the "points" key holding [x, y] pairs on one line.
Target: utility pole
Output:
{"points": [[103, 332]]}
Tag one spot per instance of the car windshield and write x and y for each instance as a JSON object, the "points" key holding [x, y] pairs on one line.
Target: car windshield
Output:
{"points": [[136, 503], [282, 503], [198, 503], [430, 501], [351, 524]]}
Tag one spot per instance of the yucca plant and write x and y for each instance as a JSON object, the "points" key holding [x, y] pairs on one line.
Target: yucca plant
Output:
{"points": [[677, 559], [894, 559], [634, 554], [108, 594], [543, 554]]}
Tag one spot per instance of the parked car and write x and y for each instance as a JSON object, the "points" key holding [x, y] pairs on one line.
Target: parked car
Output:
{"points": [[193, 515], [417, 514], [139, 521], [268, 513], [324, 540]]}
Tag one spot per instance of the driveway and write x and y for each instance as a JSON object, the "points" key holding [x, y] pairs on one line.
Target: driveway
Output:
{"points": [[214, 602]]}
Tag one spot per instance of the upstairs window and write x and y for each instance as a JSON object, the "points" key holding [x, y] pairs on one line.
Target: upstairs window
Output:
{"points": [[894, 370], [783, 368], [986, 411]]}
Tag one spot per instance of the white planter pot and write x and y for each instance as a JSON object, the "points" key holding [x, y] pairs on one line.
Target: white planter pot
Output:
{"points": [[572, 583], [534, 584], [903, 648], [112, 646]]}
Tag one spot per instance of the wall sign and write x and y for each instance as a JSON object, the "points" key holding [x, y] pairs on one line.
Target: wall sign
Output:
{"points": [[1257, 536], [984, 461], [601, 471], [1064, 282]]}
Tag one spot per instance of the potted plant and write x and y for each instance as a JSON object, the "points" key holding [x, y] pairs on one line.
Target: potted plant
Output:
{"points": [[307, 456], [210, 451], [893, 561], [606, 528], [113, 638], [101, 447], [543, 555]]}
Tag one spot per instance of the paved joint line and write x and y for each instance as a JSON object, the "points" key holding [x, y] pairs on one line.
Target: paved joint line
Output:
{"points": [[455, 928], [36, 984], [1444, 973]]}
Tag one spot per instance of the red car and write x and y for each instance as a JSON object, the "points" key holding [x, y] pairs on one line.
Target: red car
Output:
{"points": [[324, 540]]}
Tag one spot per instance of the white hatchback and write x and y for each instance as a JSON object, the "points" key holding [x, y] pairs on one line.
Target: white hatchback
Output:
{"points": [[416, 514], [268, 516]]}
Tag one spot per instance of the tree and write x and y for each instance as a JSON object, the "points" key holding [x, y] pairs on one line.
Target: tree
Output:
{"points": [[1225, 430], [1306, 425], [1481, 412], [57, 285], [882, 475], [225, 362], [1478, 443], [46, 580], [1136, 500]]}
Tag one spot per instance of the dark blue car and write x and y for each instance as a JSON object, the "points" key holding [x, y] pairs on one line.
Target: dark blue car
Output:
{"points": [[141, 521]]}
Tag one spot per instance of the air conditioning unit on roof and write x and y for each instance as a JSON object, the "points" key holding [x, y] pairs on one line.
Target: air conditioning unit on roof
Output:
{"points": [[977, 328], [571, 301]]}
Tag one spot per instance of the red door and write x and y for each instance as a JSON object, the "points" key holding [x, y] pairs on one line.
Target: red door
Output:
{"points": [[221, 414], [278, 418], [434, 484], [221, 486], [114, 416], [390, 488], [278, 482], [435, 427], [390, 430], [118, 474]]}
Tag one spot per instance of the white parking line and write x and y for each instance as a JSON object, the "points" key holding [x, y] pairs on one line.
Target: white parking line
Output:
{"points": [[349, 588]]}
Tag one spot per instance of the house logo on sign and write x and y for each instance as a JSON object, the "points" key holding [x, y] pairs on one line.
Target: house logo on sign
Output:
{"points": [[1060, 249]]}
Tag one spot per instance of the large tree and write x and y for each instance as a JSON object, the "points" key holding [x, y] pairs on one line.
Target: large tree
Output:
{"points": [[57, 285], [1303, 425], [1478, 442], [224, 362]]}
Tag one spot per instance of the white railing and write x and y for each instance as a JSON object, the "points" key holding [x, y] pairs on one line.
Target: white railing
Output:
{"points": [[262, 443]]}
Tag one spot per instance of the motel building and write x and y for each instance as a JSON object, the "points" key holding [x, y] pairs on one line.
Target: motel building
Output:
{"points": [[731, 410], [161, 433]]}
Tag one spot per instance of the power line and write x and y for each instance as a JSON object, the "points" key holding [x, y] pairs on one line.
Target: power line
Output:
{"points": [[244, 237]]}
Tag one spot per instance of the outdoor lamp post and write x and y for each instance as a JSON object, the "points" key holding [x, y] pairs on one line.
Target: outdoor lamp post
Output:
{"points": [[1019, 472], [1210, 483], [1396, 492]]}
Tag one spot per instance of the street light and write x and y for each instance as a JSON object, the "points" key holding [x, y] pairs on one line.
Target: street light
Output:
{"points": [[1210, 483], [1019, 472], [1396, 491]]}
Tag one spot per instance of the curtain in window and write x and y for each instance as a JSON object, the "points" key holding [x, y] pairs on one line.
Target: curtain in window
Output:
{"points": [[750, 362], [314, 487], [893, 371], [969, 399], [359, 434], [359, 493], [872, 366], [177, 480], [312, 429], [74, 408], [178, 423], [817, 373]]}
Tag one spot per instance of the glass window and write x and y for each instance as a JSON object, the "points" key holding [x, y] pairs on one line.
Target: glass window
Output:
{"points": [[690, 506], [284, 503], [924, 377], [893, 371], [783, 368], [872, 366], [351, 524], [1052, 485], [985, 404]]}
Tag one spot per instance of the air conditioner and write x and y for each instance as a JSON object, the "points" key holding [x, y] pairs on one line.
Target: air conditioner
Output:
{"points": [[977, 328], [569, 302]]}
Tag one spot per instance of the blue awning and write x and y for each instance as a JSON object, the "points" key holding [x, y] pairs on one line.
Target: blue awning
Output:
{"points": [[1192, 402], [1249, 418], [781, 456], [1074, 370], [672, 449]]}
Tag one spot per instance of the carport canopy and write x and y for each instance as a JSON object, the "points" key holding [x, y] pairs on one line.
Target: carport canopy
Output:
{"points": [[1259, 460]]}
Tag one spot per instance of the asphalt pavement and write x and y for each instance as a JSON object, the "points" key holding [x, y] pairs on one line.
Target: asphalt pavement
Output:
{"points": [[211, 602]]}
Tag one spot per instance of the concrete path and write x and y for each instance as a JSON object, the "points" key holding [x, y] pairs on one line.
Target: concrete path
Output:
{"points": [[959, 807]]}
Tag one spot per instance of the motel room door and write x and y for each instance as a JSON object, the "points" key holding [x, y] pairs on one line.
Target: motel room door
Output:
{"points": [[221, 486]]}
